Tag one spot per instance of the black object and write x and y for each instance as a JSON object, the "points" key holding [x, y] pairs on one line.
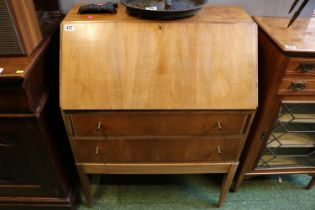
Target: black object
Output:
{"points": [[293, 5], [108, 7], [163, 9], [297, 12]]}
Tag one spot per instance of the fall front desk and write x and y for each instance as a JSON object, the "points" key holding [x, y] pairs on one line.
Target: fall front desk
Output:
{"points": [[158, 97]]}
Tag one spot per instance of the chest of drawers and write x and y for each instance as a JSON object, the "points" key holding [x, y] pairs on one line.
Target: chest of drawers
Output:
{"points": [[158, 97]]}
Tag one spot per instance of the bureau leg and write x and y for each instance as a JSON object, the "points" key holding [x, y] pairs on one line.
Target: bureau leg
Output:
{"points": [[311, 183], [86, 186], [226, 184]]}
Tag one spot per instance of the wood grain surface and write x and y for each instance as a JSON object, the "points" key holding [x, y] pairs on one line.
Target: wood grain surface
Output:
{"points": [[136, 123], [156, 150], [28, 25], [156, 168], [300, 37], [215, 13], [198, 63]]}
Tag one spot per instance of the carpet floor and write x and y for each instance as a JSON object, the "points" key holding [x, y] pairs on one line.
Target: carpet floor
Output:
{"points": [[163, 192]]}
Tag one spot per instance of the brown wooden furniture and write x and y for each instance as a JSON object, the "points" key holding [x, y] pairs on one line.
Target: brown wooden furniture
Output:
{"points": [[46, 5], [158, 97], [37, 170], [282, 139], [20, 31]]}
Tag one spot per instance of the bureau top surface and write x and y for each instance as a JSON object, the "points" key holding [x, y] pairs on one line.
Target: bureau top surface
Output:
{"points": [[299, 37], [207, 13], [118, 62]]}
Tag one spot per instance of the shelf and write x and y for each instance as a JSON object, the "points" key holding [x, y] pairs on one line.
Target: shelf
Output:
{"points": [[293, 140], [299, 118], [284, 161], [294, 127]]}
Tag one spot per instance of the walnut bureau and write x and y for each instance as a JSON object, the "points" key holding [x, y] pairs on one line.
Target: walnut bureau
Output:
{"points": [[158, 97]]}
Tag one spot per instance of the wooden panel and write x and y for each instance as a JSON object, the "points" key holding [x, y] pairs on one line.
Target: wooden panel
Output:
{"points": [[20, 95], [213, 13], [159, 123], [14, 167], [286, 87], [155, 168], [151, 65], [38, 70], [27, 21], [301, 67], [13, 99], [18, 161], [156, 150], [300, 37]]}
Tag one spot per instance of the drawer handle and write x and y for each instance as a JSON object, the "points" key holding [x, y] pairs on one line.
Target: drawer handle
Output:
{"points": [[97, 150], [298, 85], [219, 125], [306, 67], [219, 150], [99, 126]]}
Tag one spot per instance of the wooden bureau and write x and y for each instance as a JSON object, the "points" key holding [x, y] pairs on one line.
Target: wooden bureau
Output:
{"points": [[158, 97]]}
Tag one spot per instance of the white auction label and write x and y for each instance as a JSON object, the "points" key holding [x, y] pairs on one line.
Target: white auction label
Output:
{"points": [[290, 46], [151, 8], [69, 27], [1, 70]]}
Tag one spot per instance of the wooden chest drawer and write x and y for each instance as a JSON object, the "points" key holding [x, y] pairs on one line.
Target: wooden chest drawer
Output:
{"points": [[159, 123], [13, 100], [157, 150], [296, 86], [301, 67]]}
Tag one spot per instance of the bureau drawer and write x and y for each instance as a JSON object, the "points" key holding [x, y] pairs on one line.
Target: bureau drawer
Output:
{"points": [[294, 86], [156, 150], [159, 123], [303, 67]]}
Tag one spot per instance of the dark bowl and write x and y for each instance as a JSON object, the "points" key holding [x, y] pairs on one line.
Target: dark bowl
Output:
{"points": [[154, 9]]}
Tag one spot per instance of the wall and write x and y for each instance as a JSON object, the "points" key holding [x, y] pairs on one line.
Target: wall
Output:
{"points": [[253, 7]]}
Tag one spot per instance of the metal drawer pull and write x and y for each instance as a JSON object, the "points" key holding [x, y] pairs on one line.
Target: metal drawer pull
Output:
{"points": [[97, 150], [99, 126], [219, 150], [298, 85], [219, 125], [306, 67]]}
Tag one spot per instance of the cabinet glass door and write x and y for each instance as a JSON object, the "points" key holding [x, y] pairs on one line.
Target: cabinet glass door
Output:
{"points": [[292, 141]]}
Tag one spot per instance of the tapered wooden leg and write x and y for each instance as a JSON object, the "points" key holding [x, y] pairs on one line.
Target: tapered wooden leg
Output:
{"points": [[86, 186], [226, 184], [238, 181], [311, 183]]}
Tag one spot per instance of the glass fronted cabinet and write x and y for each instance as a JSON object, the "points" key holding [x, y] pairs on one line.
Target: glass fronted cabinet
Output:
{"points": [[282, 138], [292, 140]]}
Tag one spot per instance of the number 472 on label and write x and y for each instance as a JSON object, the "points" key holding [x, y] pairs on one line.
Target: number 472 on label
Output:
{"points": [[69, 28]]}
